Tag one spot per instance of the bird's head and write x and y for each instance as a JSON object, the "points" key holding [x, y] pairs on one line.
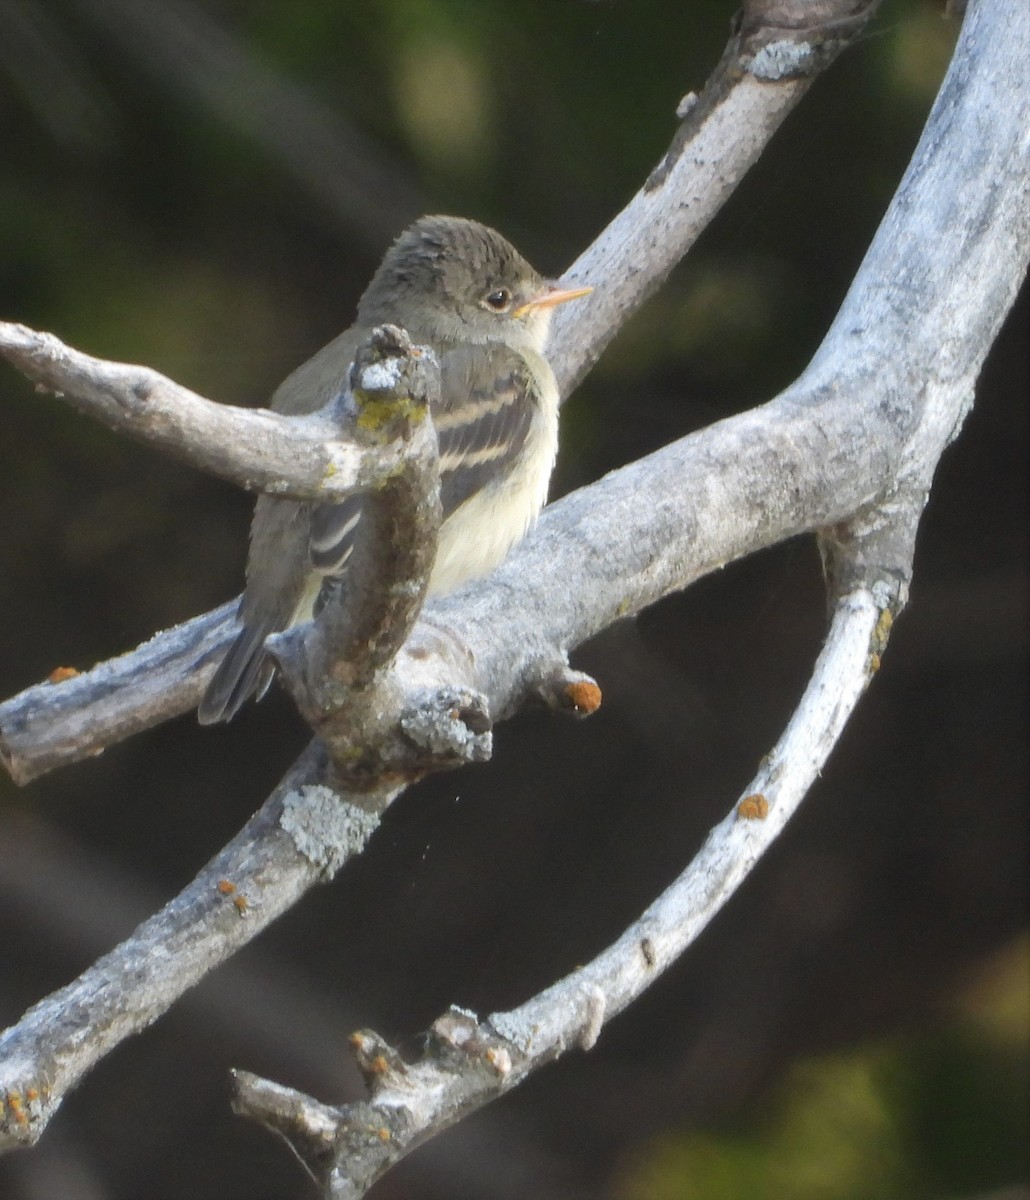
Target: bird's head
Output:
{"points": [[447, 278]]}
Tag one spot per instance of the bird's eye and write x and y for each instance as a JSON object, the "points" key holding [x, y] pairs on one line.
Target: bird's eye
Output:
{"points": [[498, 300]]}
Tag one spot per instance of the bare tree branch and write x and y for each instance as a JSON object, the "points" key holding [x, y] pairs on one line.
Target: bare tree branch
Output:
{"points": [[468, 1062], [51, 725], [806, 460], [763, 73], [852, 444], [320, 455], [60, 1038], [69, 891], [777, 50]]}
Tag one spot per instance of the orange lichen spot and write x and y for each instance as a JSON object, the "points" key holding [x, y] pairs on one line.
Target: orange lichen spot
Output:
{"points": [[753, 808], [499, 1059], [356, 1039], [32, 1094], [378, 1065], [225, 887], [14, 1103], [383, 1134], [874, 663], [584, 695], [883, 625], [60, 674], [241, 904]]}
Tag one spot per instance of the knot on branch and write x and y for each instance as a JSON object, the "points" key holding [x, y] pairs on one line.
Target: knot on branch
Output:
{"points": [[456, 1044], [792, 39], [780, 40], [378, 1061], [392, 382], [573, 692], [450, 725]]}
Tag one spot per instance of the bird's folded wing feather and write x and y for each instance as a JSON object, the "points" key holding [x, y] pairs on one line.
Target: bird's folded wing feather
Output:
{"points": [[482, 422], [483, 419]]}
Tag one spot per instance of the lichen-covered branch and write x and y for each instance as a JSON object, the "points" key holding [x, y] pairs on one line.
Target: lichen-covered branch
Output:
{"points": [[303, 457], [467, 1062], [294, 840], [852, 445]]}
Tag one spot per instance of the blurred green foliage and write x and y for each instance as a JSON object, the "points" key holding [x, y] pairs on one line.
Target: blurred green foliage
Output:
{"points": [[942, 1112]]}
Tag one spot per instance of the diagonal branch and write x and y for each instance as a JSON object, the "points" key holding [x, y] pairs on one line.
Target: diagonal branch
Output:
{"points": [[806, 460], [777, 49], [60, 1038]]}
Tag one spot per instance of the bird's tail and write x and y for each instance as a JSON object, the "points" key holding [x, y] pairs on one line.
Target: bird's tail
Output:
{"points": [[245, 671]]}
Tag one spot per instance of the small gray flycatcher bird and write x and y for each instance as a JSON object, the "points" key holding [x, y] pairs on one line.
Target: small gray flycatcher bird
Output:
{"points": [[464, 291]]}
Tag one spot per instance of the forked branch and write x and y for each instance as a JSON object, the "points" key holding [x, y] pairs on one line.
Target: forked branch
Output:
{"points": [[851, 445], [467, 1062], [769, 63]]}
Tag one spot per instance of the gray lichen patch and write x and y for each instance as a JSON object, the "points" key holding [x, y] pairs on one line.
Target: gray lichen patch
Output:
{"points": [[324, 827]]}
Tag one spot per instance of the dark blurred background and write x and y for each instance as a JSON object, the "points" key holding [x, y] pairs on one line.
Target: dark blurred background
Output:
{"points": [[206, 187]]}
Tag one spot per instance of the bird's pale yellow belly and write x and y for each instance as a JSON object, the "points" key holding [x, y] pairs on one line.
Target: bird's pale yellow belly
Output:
{"points": [[501, 513]]}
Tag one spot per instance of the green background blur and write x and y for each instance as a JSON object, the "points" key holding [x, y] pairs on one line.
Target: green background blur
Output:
{"points": [[206, 187]]}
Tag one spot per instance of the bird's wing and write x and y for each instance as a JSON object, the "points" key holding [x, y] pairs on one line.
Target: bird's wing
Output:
{"points": [[331, 538], [482, 422], [279, 539], [334, 530], [484, 416]]}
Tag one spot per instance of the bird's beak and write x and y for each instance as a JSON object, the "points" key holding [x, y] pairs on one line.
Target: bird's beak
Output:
{"points": [[551, 296]]}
